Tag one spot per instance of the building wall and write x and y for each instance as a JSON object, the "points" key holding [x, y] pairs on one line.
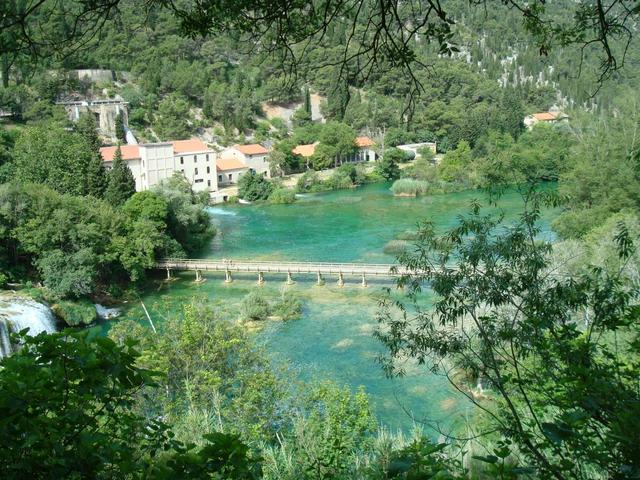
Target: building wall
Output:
{"points": [[257, 163], [223, 176], [199, 168], [157, 163]]}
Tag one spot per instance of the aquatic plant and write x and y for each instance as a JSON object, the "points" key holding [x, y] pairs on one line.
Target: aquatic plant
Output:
{"points": [[409, 187]]}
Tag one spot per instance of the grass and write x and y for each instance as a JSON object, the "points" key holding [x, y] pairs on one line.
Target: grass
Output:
{"points": [[409, 187]]}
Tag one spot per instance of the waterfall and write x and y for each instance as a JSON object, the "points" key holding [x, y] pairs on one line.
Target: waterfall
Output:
{"points": [[16, 314]]}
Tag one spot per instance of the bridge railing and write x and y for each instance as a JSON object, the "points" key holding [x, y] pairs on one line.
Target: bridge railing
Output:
{"points": [[232, 262]]}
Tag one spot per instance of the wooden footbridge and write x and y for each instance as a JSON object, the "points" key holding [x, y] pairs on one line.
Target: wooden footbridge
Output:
{"points": [[319, 269]]}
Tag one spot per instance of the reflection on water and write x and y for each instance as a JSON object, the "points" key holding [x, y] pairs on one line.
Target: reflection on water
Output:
{"points": [[333, 339]]}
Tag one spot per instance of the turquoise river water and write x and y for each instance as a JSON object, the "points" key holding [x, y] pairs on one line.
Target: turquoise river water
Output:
{"points": [[333, 339]]}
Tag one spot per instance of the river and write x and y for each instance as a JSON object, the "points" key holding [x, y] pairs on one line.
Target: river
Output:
{"points": [[333, 338]]}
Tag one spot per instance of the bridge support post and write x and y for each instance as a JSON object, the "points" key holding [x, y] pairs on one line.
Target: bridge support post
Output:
{"points": [[227, 277], [168, 274], [199, 278], [320, 281], [364, 281], [289, 279], [340, 280], [260, 278]]}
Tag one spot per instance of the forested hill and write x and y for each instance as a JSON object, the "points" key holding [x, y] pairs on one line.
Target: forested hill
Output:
{"points": [[179, 85]]}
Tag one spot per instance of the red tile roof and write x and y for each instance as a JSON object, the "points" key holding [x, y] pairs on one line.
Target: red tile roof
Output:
{"points": [[252, 149], [364, 142], [545, 116], [129, 152], [229, 163], [187, 146], [305, 150]]}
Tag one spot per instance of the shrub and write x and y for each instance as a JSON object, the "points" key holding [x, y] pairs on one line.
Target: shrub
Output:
{"points": [[340, 179], [288, 306], [308, 182], [396, 247], [253, 186], [75, 313], [409, 235], [282, 195], [254, 306], [409, 187]]}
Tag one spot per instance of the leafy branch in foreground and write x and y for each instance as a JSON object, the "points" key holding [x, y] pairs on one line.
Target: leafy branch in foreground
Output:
{"points": [[560, 355], [68, 410]]}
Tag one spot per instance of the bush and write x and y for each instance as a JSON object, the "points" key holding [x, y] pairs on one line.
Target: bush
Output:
{"points": [[409, 187], [396, 247], [408, 235], [339, 179], [253, 186], [282, 195], [288, 306], [309, 182], [75, 313], [254, 306]]}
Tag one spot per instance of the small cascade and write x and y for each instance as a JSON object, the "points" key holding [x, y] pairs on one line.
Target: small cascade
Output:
{"points": [[18, 313]]}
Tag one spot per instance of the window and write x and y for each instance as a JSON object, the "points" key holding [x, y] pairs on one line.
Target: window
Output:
{"points": [[181, 160], [182, 171], [208, 169], [208, 183], [199, 180], [207, 157], [230, 177], [220, 178], [196, 171], [195, 159]]}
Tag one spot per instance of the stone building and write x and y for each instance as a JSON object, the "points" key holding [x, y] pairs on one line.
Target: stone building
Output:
{"points": [[105, 112]]}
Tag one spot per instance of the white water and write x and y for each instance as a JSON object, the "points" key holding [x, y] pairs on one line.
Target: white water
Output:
{"points": [[220, 211], [16, 314]]}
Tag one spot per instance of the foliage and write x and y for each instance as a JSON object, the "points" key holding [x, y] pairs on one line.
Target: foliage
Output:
{"points": [[288, 306], [387, 167], [254, 186], [282, 195], [68, 406], [456, 164], [409, 187], [121, 134], [309, 182], [51, 156], [188, 222], [255, 306], [544, 344], [173, 119], [120, 182], [76, 313]]}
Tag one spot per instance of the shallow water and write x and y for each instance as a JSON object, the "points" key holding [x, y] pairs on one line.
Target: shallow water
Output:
{"points": [[333, 338]]}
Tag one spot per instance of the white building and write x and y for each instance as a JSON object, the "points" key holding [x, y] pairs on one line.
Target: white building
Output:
{"points": [[415, 147], [254, 156], [151, 163], [229, 170], [364, 151]]}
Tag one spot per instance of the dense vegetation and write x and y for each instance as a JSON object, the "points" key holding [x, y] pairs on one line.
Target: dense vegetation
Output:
{"points": [[549, 332]]}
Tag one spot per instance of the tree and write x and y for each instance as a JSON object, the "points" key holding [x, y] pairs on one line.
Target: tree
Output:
{"points": [[64, 161], [253, 186], [172, 122], [456, 164], [545, 345], [188, 223], [120, 182], [121, 133], [387, 166], [68, 404], [96, 175]]}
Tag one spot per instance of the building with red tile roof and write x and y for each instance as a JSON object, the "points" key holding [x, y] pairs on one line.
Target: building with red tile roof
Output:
{"points": [[151, 163]]}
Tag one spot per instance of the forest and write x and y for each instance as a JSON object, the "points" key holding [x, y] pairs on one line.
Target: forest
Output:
{"points": [[550, 328]]}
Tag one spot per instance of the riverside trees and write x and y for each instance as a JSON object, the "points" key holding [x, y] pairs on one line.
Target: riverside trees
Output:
{"points": [[558, 354]]}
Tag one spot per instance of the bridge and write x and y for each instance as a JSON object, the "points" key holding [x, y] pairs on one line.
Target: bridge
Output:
{"points": [[319, 269]]}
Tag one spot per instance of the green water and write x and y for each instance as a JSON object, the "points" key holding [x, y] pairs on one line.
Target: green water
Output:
{"points": [[333, 338]]}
